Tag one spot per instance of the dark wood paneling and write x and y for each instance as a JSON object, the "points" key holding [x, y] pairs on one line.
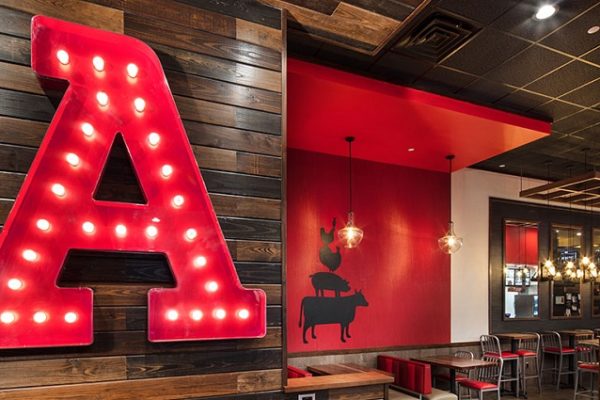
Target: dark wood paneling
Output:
{"points": [[226, 76], [244, 9]]}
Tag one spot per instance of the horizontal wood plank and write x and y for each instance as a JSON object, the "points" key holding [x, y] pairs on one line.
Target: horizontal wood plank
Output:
{"points": [[110, 319], [61, 371], [15, 50], [22, 131], [82, 12], [241, 206], [243, 185], [207, 66], [247, 250], [19, 77], [248, 10], [14, 22], [180, 387], [223, 92], [226, 115], [25, 105], [233, 161], [258, 34], [162, 32]]}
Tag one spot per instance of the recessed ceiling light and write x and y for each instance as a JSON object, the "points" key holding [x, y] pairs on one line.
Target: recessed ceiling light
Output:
{"points": [[501, 165], [545, 11], [593, 29], [411, 149]]}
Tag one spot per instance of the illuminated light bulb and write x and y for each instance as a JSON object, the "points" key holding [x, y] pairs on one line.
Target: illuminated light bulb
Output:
{"points": [[548, 264], [63, 57], [519, 273], [595, 273], [40, 317], [15, 284], [191, 234], [121, 230], [30, 255], [177, 201], [585, 261], [545, 11], [88, 227], [199, 261], [139, 104], [172, 315], [98, 63], [151, 231], [58, 190], [87, 129], [211, 286], [70, 317], [196, 315], [102, 98], [153, 139], [132, 70], [243, 313], [219, 313], [156, 219], [505, 270], [592, 265], [579, 273], [166, 170], [570, 265], [8, 317], [552, 270], [73, 159], [43, 224]]}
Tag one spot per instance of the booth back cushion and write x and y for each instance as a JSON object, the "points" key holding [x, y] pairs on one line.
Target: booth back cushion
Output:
{"points": [[410, 375], [293, 372]]}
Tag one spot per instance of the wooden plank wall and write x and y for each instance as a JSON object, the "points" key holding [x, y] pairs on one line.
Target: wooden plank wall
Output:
{"points": [[225, 71]]}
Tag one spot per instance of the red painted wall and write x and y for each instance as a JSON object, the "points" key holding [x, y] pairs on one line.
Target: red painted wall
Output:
{"points": [[398, 266], [525, 252]]}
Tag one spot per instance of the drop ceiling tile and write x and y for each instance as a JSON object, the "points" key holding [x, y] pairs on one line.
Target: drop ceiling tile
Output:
{"points": [[399, 68], [555, 110], [521, 101], [485, 51], [587, 95], [573, 38], [345, 58], [578, 121], [484, 91], [527, 66], [594, 56], [484, 11], [567, 78], [520, 20], [443, 80]]}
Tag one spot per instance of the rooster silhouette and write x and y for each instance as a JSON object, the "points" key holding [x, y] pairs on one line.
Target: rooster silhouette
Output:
{"points": [[328, 258]]}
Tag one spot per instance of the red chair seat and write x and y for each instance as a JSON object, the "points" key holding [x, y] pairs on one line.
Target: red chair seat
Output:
{"points": [[446, 377], [557, 350], [478, 385], [589, 365], [505, 355], [526, 353]]}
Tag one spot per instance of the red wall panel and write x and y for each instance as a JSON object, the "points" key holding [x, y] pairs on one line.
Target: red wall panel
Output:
{"points": [[403, 275], [525, 252]]}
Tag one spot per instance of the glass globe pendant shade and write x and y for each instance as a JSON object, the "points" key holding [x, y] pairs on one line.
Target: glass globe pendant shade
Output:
{"points": [[351, 235], [450, 243]]}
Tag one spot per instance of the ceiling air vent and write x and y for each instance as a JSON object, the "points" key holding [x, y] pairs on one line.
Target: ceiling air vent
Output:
{"points": [[435, 37]]}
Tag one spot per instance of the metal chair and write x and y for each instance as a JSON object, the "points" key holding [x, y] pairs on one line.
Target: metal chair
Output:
{"points": [[488, 379], [583, 353], [460, 375], [529, 350], [552, 345], [587, 364], [490, 347]]}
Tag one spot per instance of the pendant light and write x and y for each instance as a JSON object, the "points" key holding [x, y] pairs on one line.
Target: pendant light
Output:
{"points": [[549, 271], [350, 235], [450, 243]]}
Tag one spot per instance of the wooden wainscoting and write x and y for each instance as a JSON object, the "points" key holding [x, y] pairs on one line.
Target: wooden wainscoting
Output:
{"points": [[225, 72]]}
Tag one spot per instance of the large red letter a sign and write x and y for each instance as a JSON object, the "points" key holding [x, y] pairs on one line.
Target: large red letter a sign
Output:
{"points": [[116, 85]]}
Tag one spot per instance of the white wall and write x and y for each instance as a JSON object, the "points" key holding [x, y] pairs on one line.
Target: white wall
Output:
{"points": [[471, 191]]}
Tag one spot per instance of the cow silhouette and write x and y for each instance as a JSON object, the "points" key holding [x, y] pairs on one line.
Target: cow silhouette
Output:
{"points": [[328, 258], [322, 281], [330, 310]]}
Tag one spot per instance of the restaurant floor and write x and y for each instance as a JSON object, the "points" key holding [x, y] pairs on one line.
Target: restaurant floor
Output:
{"points": [[549, 392]]}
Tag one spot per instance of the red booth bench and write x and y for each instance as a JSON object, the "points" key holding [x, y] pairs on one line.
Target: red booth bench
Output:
{"points": [[412, 379]]}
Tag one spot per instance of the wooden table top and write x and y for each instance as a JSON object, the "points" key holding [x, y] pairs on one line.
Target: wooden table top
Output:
{"points": [[576, 332], [336, 369], [516, 335], [590, 342], [449, 361], [345, 380]]}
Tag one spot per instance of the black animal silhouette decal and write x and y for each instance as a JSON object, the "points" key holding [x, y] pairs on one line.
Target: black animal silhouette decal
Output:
{"points": [[323, 310], [328, 258], [330, 310], [322, 281]]}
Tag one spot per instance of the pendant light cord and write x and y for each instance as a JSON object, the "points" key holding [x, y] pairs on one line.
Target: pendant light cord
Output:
{"points": [[450, 157], [349, 139]]}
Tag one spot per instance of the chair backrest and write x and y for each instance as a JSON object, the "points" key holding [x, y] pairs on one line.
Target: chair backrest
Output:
{"points": [[490, 345], [551, 341], [532, 344], [412, 376], [493, 373], [585, 353], [464, 354]]}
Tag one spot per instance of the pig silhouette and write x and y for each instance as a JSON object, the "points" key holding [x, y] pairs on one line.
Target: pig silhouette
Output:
{"points": [[330, 310], [322, 281]]}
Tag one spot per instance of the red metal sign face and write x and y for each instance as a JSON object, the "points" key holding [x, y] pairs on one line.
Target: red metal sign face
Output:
{"points": [[116, 85]]}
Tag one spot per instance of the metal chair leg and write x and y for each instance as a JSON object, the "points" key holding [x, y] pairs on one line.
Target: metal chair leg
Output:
{"points": [[558, 371]]}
